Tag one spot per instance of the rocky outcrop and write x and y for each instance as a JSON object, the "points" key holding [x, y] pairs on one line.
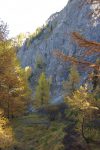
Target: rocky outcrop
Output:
{"points": [[78, 16]]}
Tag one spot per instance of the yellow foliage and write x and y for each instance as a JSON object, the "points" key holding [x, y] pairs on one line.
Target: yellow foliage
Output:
{"points": [[81, 99], [6, 133], [14, 89], [42, 91]]}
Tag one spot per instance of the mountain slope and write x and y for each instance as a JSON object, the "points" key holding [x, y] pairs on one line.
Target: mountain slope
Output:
{"points": [[78, 16]]}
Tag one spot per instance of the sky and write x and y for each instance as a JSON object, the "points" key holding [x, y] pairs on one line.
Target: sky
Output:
{"points": [[26, 15]]}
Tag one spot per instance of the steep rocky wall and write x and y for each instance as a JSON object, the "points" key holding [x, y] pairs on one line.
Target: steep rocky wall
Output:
{"points": [[76, 16]]}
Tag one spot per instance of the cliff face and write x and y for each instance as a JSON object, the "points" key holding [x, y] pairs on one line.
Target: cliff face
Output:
{"points": [[78, 16]]}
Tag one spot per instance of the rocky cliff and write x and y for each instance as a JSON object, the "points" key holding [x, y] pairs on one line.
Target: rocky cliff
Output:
{"points": [[79, 16]]}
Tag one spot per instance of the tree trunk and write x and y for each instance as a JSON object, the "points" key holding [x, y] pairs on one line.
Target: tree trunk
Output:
{"points": [[42, 101], [8, 111]]}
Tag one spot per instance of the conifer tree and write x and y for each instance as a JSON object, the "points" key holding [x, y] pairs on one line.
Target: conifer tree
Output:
{"points": [[42, 91], [84, 103], [14, 89]]}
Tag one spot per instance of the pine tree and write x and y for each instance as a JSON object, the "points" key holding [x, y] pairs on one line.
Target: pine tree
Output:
{"points": [[42, 91]]}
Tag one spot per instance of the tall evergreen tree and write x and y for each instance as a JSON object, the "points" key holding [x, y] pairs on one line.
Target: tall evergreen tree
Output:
{"points": [[42, 91]]}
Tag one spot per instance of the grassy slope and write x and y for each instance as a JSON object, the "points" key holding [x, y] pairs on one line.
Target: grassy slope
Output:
{"points": [[32, 136], [23, 134]]}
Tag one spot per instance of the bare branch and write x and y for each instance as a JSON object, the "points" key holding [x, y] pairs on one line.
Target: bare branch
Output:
{"points": [[91, 46]]}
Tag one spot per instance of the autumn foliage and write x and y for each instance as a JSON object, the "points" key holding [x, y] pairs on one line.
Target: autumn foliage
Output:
{"points": [[42, 91], [14, 89], [90, 46]]}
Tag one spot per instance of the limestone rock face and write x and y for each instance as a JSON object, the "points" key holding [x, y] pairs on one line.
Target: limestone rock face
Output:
{"points": [[78, 16]]}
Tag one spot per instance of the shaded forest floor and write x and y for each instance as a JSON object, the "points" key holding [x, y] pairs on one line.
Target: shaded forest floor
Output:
{"points": [[36, 132]]}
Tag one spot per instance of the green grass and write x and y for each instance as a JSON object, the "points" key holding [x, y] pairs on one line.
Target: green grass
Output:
{"points": [[23, 134], [38, 136]]}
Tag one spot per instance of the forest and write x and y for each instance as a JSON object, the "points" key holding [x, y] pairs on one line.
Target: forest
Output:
{"points": [[29, 120]]}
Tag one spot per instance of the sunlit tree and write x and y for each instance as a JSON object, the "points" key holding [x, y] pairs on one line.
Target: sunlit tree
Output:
{"points": [[14, 88], [84, 103], [42, 91]]}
